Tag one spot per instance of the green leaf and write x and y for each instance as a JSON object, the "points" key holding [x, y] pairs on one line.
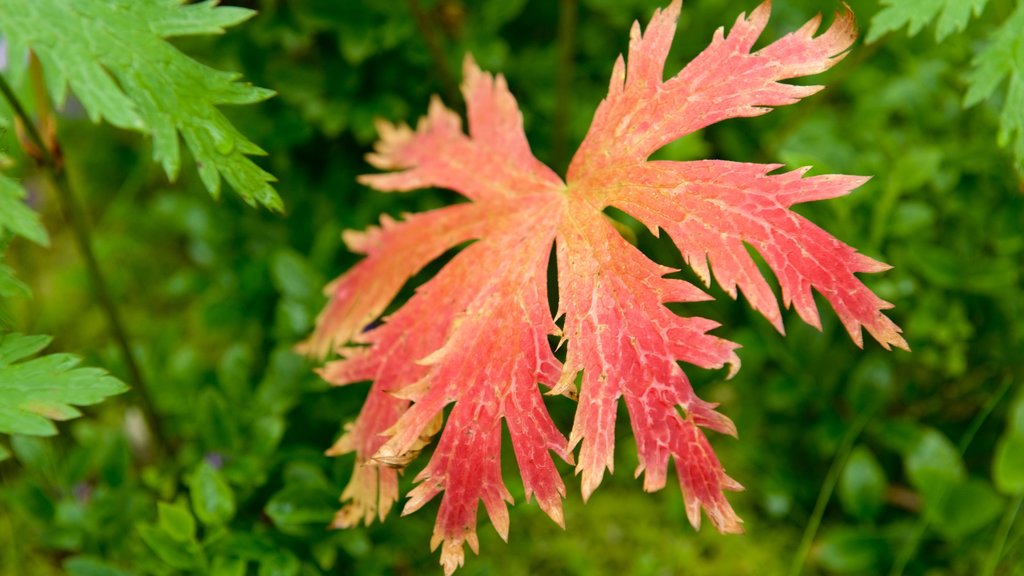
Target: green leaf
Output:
{"points": [[871, 385], [1008, 462], [852, 550], [88, 566], [862, 485], [223, 566], [33, 392], [295, 507], [280, 563], [15, 216], [953, 16], [175, 553], [967, 508], [114, 56], [176, 521], [934, 466], [294, 278], [212, 498], [1003, 59], [1015, 417]]}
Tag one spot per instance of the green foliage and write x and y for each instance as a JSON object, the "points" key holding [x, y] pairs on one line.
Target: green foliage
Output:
{"points": [[1001, 60], [35, 391], [1008, 465], [15, 217], [953, 16], [215, 295], [115, 57], [862, 486]]}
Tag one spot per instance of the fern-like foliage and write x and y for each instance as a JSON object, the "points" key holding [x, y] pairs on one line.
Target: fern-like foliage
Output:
{"points": [[953, 16], [1001, 59], [114, 56], [16, 218], [35, 391]]}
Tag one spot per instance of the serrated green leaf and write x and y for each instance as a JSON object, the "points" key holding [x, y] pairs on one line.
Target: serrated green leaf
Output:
{"points": [[16, 217], [114, 56], [1003, 59], [10, 286], [953, 16], [34, 392], [212, 499]]}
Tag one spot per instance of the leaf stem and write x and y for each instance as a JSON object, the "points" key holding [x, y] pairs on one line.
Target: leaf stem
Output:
{"points": [[996, 553], [567, 11], [50, 159], [827, 488], [448, 83]]}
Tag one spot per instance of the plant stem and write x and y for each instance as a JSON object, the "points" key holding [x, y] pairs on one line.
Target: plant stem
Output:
{"points": [[49, 158], [567, 10], [448, 83], [994, 555], [827, 487]]}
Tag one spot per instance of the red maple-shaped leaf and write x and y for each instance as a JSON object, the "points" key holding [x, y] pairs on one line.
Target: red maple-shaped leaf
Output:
{"points": [[476, 335]]}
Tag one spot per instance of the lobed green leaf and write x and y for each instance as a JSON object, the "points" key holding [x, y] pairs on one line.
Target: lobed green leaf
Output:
{"points": [[34, 392], [114, 56]]}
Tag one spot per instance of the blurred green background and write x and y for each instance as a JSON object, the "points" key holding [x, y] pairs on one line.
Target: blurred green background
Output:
{"points": [[882, 462]]}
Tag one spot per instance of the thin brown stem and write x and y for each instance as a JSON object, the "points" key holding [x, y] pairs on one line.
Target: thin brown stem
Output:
{"points": [[428, 32], [49, 157]]}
